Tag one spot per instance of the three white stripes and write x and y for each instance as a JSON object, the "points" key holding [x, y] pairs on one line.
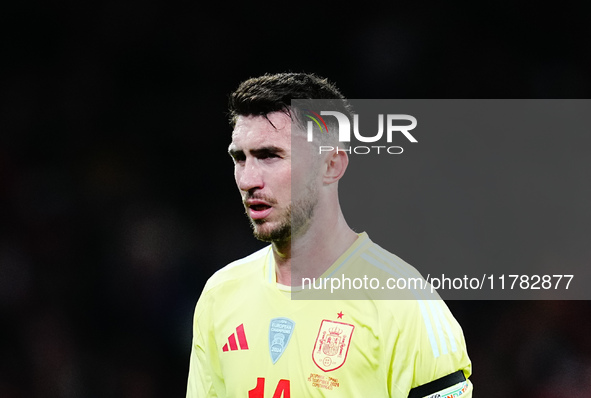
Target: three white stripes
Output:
{"points": [[430, 307]]}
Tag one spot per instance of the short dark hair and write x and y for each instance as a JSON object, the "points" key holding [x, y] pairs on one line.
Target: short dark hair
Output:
{"points": [[259, 96]]}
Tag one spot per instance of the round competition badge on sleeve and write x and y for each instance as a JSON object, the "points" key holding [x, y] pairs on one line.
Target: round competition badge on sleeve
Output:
{"points": [[332, 345]]}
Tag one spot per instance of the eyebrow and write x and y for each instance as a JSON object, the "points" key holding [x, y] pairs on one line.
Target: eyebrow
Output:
{"points": [[257, 152]]}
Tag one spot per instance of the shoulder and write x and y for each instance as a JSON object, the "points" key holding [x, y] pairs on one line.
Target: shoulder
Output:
{"points": [[238, 270], [392, 278], [390, 263], [226, 284], [413, 306]]}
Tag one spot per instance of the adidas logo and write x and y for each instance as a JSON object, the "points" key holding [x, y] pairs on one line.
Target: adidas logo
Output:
{"points": [[231, 344]]}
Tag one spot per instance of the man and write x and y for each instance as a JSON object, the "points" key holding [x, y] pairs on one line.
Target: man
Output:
{"points": [[251, 338]]}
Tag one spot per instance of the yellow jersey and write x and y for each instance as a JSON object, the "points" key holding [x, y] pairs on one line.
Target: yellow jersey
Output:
{"points": [[251, 339]]}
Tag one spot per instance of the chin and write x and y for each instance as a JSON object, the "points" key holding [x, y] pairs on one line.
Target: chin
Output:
{"points": [[267, 233]]}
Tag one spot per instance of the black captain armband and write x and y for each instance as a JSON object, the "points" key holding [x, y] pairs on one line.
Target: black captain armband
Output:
{"points": [[437, 385]]}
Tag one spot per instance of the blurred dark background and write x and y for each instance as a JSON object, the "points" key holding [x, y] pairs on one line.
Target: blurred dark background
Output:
{"points": [[117, 199]]}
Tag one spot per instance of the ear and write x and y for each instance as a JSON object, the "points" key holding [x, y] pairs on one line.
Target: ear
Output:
{"points": [[335, 165]]}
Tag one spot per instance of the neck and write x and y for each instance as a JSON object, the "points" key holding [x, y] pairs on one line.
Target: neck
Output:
{"points": [[312, 252]]}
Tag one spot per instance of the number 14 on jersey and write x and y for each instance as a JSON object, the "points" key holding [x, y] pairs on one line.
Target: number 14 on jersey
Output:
{"points": [[282, 390]]}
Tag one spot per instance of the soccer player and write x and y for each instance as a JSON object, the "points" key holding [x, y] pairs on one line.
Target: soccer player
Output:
{"points": [[251, 338]]}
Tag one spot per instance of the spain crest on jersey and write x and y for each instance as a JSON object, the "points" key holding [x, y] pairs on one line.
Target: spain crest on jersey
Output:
{"points": [[332, 344]]}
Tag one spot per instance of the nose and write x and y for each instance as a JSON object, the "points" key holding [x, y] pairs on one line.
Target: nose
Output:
{"points": [[249, 176]]}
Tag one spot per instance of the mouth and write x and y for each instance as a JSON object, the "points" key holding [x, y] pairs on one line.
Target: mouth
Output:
{"points": [[258, 210]]}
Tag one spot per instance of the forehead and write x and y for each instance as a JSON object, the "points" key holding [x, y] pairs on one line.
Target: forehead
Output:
{"points": [[257, 130]]}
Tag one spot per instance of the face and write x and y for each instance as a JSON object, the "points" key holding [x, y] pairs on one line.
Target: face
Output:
{"points": [[266, 169]]}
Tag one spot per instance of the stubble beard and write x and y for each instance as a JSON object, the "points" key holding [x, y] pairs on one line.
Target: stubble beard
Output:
{"points": [[294, 222]]}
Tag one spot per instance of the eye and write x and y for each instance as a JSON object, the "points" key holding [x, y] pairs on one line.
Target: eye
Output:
{"points": [[268, 155], [238, 157]]}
